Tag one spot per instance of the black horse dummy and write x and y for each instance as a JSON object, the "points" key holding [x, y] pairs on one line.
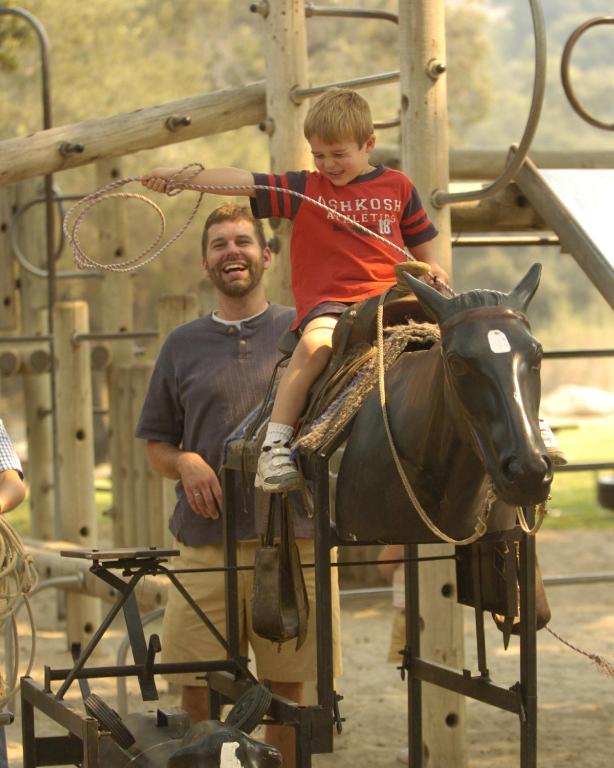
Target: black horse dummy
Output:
{"points": [[463, 418]]}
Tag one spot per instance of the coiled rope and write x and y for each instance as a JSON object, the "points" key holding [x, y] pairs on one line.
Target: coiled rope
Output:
{"points": [[18, 578]]}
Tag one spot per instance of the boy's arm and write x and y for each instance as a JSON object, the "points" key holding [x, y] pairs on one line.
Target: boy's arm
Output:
{"points": [[12, 490], [157, 179], [427, 252]]}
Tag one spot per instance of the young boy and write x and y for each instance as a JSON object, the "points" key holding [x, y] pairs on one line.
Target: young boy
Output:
{"points": [[334, 264]]}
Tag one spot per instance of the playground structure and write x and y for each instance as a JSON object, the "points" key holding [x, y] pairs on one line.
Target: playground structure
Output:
{"points": [[59, 402]]}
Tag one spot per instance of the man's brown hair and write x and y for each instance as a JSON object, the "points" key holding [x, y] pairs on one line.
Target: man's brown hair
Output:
{"points": [[337, 115], [232, 212]]}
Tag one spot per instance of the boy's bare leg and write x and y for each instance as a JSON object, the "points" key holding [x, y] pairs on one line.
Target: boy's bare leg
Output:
{"points": [[310, 358], [277, 472]]}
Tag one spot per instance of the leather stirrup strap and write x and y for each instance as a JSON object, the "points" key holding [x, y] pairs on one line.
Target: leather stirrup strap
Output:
{"points": [[292, 562]]}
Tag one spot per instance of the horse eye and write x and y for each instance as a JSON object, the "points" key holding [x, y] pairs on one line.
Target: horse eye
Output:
{"points": [[538, 354], [457, 365]]}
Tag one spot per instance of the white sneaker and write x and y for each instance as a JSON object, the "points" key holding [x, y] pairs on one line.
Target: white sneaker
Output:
{"points": [[551, 443], [276, 472]]}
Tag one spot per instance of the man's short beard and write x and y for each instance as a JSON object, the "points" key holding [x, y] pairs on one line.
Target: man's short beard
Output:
{"points": [[238, 288]]}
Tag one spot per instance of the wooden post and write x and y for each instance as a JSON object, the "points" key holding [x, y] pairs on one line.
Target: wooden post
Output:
{"points": [[125, 519], [148, 501], [76, 447], [31, 238], [286, 67], [115, 300], [424, 132], [9, 295], [172, 311]]}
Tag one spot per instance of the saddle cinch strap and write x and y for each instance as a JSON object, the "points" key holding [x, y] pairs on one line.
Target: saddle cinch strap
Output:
{"points": [[280, 607]]}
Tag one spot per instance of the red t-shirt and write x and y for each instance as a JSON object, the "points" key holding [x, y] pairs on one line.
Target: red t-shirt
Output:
{"points": [[332, 260]]}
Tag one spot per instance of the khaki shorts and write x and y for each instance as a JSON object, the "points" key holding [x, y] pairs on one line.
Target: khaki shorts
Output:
{"points": [[186, 638], [397, 637]]}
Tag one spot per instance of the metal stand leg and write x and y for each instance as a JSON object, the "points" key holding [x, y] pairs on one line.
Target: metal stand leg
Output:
{"points": [[326, 694], [412, 651], [528, 654], [230, 561]]}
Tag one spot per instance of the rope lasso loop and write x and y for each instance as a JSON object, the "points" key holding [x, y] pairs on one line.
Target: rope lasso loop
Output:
{"points": [[174, 186], [481, 523], [75, 216]]}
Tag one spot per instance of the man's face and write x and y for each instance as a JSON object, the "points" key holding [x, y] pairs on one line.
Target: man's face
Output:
{"points": [[235, 262]]}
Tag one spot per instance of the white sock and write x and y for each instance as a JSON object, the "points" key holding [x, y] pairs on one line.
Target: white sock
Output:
{"points": [[278, 433]]}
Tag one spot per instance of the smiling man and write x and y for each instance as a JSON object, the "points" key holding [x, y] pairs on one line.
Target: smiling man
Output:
{"points": [[210, 374]]}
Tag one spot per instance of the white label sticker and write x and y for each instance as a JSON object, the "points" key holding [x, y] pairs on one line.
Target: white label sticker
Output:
{"points": [[498, 342], [228, 755]]}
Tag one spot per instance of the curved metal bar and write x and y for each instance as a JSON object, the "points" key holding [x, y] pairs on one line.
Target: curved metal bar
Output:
{"points": [[21, 258], [565, 79], [300, 94], [351, 13], [44, 53], [51, 288], [517, 157]]}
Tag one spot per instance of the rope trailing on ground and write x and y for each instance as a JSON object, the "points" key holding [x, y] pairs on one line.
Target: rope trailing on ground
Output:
{"points": [[602, 664]]}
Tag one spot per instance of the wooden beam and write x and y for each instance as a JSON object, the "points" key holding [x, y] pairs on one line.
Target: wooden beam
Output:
{"points": [[507, 211], [574, 238], [208, 114], [486, 164]]}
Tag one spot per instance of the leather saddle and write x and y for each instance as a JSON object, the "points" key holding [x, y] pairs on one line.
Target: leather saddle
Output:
{"points": [[354, 339]]}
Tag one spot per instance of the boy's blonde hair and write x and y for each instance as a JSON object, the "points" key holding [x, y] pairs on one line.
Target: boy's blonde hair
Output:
{"points": [[337, 115]]}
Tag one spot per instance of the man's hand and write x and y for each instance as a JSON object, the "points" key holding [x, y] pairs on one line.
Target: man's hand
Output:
{"points": [[201, 485]]}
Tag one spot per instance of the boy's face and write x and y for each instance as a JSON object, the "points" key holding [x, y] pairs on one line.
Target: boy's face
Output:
{"points": [[343, 161]]}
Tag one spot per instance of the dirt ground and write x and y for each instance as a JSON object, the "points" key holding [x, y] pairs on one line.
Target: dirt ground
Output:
{"points": [[576, 700]]}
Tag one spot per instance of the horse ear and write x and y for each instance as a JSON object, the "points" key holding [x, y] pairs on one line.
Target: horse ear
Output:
{"points": [[525, 290], [432, 300]]}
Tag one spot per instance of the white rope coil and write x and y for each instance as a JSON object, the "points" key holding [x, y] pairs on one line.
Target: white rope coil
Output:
{"points": [[18, 578]]}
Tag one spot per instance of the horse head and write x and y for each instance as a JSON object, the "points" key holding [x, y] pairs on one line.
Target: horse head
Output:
{"points": [[492, 382]]}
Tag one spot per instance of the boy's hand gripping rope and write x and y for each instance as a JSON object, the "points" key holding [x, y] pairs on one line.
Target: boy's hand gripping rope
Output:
{"points": [[75, 216]]}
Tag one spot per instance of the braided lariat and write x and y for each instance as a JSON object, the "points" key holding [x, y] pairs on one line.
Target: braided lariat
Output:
{"points": [[18, 578], [82, 208], [173, 187], [601, 662]]}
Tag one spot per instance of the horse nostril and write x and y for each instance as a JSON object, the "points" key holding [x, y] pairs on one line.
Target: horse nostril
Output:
{"points": [[510, 467], [549, 467]]}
